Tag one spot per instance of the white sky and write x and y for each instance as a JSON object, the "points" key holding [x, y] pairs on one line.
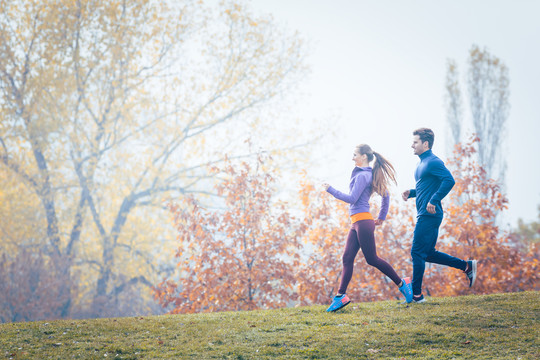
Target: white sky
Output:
{"points": [[378, 71]]}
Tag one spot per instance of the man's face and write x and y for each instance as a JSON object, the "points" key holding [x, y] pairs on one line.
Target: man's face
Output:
{"points": [[419, 146]]}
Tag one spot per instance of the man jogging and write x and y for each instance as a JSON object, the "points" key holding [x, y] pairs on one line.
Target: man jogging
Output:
{"points": [[433, 183]]}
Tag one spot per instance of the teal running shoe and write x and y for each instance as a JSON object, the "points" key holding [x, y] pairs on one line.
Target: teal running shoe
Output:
{"points": [[406, 289], [339, 302]]}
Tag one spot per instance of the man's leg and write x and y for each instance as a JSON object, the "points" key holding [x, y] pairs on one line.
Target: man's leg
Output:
{"points": [[469, 267], [441, 258], [425, 237]]}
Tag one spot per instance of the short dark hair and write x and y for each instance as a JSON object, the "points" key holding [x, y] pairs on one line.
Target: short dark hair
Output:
{"points": [[425, 134]]}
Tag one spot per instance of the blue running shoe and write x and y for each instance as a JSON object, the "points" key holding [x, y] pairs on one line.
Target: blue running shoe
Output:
{"points": [[406, 289], [339, 302]]}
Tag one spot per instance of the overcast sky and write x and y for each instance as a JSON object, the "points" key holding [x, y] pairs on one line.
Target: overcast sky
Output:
{"points": [[378, 71]]}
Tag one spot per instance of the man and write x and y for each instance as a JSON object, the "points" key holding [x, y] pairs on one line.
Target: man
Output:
{"points": [[433, 183]]}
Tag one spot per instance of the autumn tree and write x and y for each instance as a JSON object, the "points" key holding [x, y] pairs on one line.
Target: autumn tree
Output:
{"points": [[526, 238], [107, 108], [528, 232], [325, 222], [240, 256]]}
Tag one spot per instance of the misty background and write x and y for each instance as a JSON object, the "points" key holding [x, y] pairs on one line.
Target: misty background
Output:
{"points": [[378, 72]]}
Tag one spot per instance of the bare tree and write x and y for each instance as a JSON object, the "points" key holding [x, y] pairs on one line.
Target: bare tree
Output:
{"points": [[454, 106], [488, 98], [488, 88]]}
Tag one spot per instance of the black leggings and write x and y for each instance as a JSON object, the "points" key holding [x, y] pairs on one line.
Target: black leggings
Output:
{"points": [[361, 236]]}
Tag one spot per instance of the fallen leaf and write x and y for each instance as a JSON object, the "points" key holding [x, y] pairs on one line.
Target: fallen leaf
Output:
{"points": [[372, 351], [467, 342]]}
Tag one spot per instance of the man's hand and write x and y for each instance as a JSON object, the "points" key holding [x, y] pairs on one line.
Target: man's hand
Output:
{"points": [[378, 222], [406, 194], [431, 208]]}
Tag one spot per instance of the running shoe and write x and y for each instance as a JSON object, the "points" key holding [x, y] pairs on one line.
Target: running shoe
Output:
{"points": [[471, 273], [339, 302], [419, 300], [406, 289]]}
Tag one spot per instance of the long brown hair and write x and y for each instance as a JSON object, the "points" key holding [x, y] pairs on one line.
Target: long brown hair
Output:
{"points": [[383, 171]]}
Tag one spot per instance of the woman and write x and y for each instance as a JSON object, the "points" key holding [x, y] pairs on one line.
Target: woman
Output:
{"points": [[365, 181]]}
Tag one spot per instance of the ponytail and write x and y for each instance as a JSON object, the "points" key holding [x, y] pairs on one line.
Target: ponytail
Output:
{"points": [[383, 174]]}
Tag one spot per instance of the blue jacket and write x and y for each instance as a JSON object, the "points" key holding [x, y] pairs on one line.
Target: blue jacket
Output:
{"points": [[433, 183]]}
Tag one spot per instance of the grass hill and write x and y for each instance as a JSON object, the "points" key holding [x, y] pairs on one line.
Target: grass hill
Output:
{"points": [[501, 326]]}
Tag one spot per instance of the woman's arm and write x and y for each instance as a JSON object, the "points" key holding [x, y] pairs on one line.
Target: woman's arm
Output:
{"points": [[360, 183], [385, 205]]}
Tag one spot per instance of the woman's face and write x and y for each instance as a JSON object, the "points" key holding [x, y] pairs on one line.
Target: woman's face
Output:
{"points": [[359, 160]]}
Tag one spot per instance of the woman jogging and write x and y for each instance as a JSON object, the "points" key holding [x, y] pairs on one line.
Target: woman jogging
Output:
{"points": [[365, 181]]}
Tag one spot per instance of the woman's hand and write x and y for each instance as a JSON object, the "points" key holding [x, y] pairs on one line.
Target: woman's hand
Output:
{"points": [[406, 194], [325, 186], [378, 222]]}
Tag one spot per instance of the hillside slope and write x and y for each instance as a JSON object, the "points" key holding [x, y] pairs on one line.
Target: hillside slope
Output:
{"points": [[501, 326]]}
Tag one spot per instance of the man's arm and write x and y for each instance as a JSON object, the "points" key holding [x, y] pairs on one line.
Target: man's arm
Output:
{"points": [[408, 194], [440, 171]]}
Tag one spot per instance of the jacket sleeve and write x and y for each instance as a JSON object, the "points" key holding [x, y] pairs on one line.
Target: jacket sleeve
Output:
{"points": [[360, 183], [412, 193], [385, 205], [438, 170]]}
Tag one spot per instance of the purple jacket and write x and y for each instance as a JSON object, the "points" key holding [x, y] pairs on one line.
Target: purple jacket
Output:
{"points": [[360, 192]]}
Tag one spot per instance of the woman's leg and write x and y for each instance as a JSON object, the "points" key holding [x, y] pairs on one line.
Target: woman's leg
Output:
{"points": [[351, 249], [366, 237]]}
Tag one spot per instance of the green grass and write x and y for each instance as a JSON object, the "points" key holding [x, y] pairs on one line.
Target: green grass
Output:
{"points": [[502, 326]]}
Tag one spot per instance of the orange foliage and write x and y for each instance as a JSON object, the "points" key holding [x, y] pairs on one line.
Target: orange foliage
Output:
{"points": [[326, 221], [239, 258], [250, 255]]}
